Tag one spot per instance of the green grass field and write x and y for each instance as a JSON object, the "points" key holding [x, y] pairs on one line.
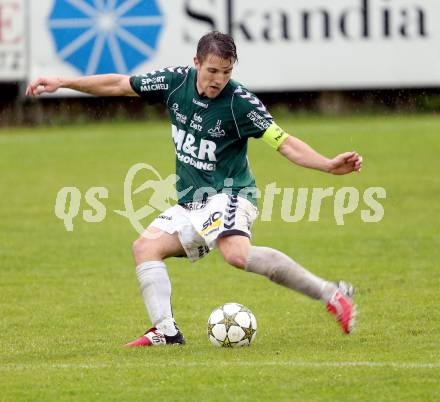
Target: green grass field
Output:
{"points": [[69, 300]]}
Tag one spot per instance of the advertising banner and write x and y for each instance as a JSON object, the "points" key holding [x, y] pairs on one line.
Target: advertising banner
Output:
{"points": [[12, 40], [282, 45]]}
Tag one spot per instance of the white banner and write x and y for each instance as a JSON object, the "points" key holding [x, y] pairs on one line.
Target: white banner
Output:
{"points": [[12, 40], [282, 45]]}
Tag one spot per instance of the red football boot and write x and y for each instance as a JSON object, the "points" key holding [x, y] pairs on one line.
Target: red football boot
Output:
{"points": [[153, 337], [342, 307]]}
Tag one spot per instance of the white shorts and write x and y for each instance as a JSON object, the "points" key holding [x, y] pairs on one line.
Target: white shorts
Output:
{"points": [[200, 224]]}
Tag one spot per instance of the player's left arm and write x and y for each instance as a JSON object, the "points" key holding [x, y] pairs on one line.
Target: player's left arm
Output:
{"points": [[302, 154]]}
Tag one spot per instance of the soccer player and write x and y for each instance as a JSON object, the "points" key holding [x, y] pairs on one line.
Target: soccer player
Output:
{"points": [[212, 119]]}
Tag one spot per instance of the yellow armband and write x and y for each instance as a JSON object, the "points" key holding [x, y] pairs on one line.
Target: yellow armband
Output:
{"points": [[274, 136]]}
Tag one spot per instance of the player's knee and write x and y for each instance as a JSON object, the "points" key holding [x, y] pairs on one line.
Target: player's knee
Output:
{"points": [[140, 247], [236, 260], [235, 250], [136, 247]]}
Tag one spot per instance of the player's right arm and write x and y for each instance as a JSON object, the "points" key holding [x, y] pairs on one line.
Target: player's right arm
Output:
{"points": [[99, 85]]}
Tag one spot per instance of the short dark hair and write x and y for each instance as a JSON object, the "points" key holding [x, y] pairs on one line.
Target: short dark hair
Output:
{"points": [[218, 44]]}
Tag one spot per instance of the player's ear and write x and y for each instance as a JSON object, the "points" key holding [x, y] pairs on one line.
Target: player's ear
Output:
{"points": [[197, 63]]}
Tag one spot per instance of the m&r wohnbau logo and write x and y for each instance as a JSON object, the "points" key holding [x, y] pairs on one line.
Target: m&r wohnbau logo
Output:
{"points": [[105, 36]]}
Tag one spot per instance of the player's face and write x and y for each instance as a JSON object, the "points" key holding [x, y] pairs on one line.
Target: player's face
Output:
{"points": [[212, 75]]}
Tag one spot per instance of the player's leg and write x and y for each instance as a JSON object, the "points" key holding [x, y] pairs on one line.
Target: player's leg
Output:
{"points": [[278, 267], [149, 251], [234, 249], [283, 270], [156, 245]]}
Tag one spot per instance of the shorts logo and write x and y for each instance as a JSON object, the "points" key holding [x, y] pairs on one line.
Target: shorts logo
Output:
{"points": [[168, 218], [195, 205], [203, 250], [217, 131], [231, 209], [212, 224], [98, 37]]}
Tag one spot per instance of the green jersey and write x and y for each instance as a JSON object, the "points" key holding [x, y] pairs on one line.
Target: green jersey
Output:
{"points": [[210, 135]]}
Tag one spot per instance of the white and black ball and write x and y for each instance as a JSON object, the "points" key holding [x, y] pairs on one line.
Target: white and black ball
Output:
{"points": [[232, 325]]}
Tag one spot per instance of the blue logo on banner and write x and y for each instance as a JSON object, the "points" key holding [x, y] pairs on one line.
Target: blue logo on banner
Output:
{"points": [[105, 36]]}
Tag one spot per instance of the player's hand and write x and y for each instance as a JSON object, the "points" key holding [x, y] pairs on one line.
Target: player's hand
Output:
{"points": [[42, 85], [346, 163]]}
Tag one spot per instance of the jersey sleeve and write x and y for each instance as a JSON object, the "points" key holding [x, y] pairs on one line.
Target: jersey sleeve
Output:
{"points": [[251, 117], [156, 86]]}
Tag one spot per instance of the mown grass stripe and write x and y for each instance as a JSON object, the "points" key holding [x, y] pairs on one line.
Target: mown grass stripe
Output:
{"points": [[290, 363]]}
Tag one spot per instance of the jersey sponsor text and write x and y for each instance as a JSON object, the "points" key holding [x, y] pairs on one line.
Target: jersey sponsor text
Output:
{"points": [[201, 157], [258, 120], [154, 87]]}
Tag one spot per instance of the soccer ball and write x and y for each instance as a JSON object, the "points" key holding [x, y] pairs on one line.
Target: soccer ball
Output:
{"points": [[232, 325]]}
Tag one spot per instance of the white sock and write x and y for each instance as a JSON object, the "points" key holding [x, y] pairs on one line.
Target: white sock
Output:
{"points": [[156, 292], [281, 269]]}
